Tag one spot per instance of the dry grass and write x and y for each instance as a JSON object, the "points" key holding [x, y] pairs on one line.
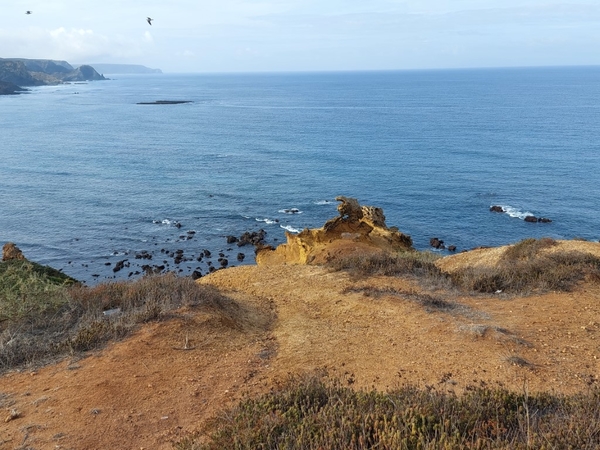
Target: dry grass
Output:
{"points": [[558, 271], [527, 267], [43, 320], [417, 265]]}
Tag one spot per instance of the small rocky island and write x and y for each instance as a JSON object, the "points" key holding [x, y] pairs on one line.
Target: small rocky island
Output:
{"points": [[15, 73], [165, 102]]}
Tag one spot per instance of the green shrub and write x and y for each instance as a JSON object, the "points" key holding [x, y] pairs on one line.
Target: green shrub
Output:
{"points": [[28, 290]]}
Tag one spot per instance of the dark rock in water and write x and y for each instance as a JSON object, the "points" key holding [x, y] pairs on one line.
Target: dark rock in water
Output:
{"points": [[531, 219], [497, 209], [224, 262], [544, 220], [165, 102], [152, 270], [452, 248], [207, 253], [120, 265], [196, 274], [199, 258], [211, 269], [231, 239], [437, 243], [144, 254], [254, 238], [240, 257]]}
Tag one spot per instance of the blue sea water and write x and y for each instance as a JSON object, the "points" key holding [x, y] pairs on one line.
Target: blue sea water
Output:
{"points": [[89, 177]]}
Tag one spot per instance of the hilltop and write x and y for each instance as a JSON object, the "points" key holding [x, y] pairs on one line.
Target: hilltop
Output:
{"points": [[351, 300]]}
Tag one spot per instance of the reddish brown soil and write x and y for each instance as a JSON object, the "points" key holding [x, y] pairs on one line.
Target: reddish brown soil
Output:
{"points": [[149, 391]]}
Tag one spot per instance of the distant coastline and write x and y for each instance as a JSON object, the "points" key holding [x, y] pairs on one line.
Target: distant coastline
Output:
{"points": [[123, 68]]}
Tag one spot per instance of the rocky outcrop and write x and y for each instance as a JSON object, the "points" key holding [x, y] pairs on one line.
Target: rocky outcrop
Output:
{"points": [[11, 252], [7, 88], [357, 229]]}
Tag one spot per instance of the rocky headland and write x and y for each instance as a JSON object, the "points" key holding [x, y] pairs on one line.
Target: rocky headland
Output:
{"points": [[15, 73]]}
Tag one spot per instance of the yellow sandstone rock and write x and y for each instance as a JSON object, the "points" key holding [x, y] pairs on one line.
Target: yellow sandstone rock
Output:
{"points": [[358, 229]]}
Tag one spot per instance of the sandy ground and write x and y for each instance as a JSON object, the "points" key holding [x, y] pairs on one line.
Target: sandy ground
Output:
{"points": [[166, 380]]}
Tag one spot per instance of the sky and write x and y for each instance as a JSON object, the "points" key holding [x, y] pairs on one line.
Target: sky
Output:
{"points": [[202, 36]]}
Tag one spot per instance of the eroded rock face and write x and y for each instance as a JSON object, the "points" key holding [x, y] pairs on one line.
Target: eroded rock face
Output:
{"points": [[358, 228], [11, 251]]}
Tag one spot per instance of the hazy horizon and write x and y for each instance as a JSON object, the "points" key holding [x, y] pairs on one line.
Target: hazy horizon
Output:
{"points": [[309, 36]]}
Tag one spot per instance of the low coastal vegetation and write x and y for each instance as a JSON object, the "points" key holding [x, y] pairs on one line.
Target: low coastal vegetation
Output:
{"points": [[524, 268], [310, 413], [45, 315]]}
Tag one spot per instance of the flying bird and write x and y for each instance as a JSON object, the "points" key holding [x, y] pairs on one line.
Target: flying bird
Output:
{"points": [[28, 12], [149, 20]]}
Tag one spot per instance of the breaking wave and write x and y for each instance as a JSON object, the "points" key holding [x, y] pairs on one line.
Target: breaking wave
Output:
{"points": [[515, 212], [290, 228]]}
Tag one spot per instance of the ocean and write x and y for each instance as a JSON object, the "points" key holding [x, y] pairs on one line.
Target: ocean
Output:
{"points": [[90, 178]]}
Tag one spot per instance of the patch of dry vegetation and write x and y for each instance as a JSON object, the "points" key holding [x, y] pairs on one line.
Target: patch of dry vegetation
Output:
{"points": [[526, 267], [309, 413], [418, 265], [523, 268], [43, 318]]}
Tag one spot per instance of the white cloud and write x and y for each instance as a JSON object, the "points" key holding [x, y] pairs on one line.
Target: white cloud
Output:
{"points": [[74, 45]]}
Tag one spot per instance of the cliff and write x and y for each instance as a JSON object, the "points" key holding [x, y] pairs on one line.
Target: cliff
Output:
{"points": [[40, 72]]}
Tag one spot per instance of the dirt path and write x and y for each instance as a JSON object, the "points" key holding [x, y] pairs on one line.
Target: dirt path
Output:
{"points": [[149, 390]]}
